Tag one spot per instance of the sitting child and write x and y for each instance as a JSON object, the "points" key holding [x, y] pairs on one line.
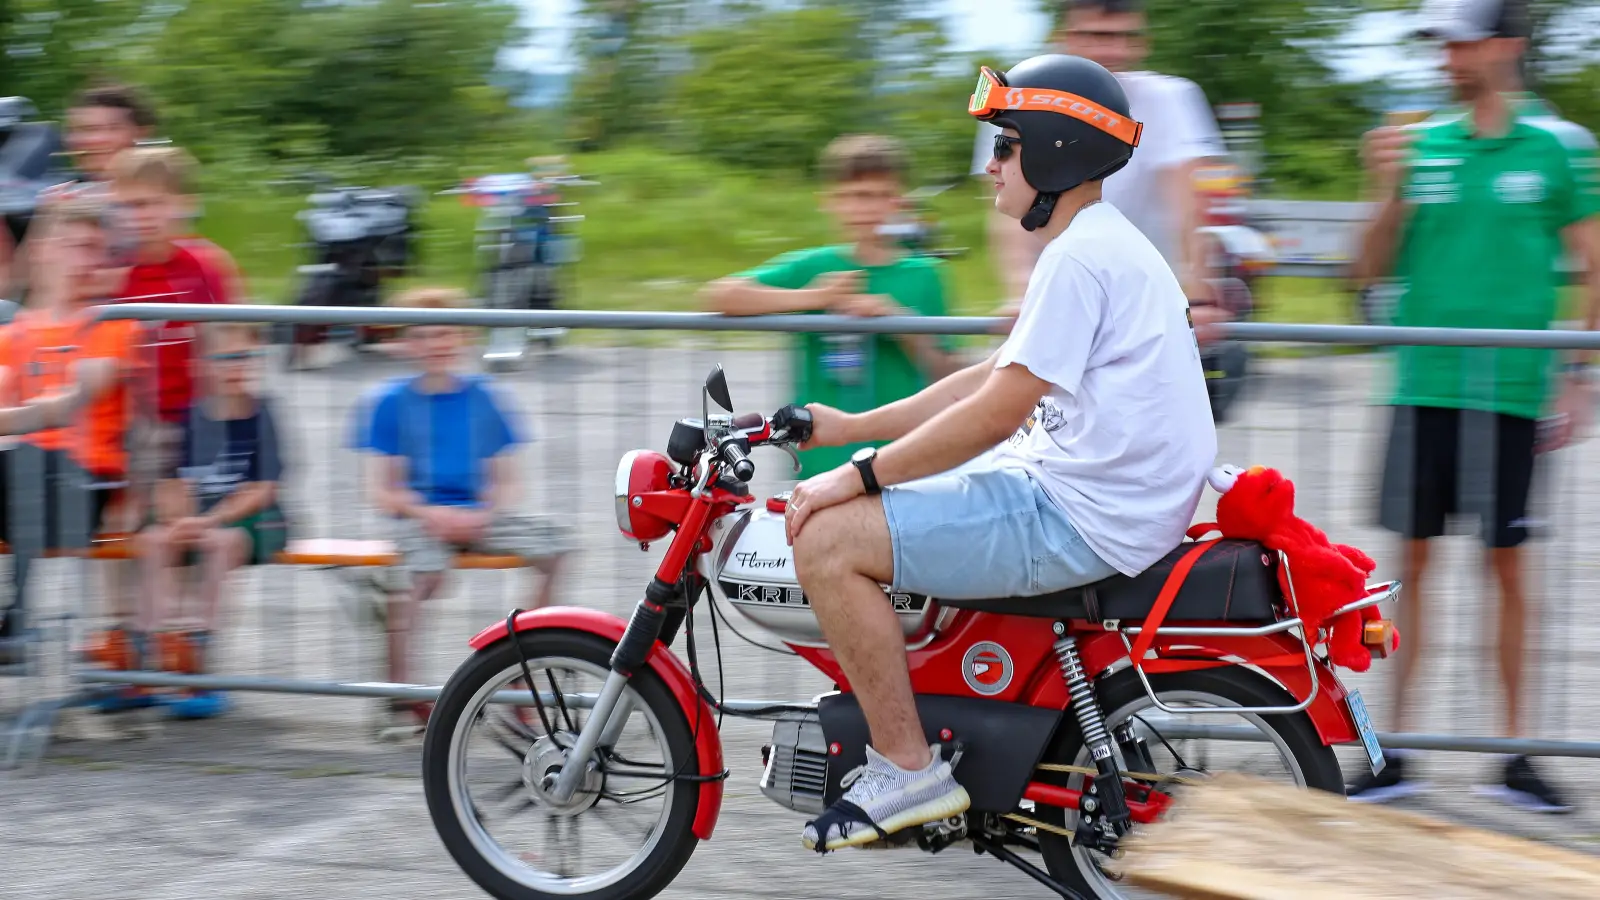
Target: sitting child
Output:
{"points": [[444, 468], [218, 508]]}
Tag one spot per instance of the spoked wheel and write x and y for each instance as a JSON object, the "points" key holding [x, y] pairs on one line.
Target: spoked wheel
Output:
{"points": [[1291, 753], [487, 767]]}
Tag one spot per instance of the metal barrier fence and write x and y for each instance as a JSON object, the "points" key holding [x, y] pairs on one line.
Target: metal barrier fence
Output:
{"points": [[1310, 409]]}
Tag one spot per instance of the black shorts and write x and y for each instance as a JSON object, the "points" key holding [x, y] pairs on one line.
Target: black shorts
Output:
{"points": [[48, 501], [1451, 462]]}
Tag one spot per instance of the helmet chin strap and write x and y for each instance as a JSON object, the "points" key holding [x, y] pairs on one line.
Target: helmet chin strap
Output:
{"points": [[1044, 205]]}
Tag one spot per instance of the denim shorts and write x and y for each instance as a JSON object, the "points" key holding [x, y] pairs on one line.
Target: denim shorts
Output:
{"points": [[977, 532]]}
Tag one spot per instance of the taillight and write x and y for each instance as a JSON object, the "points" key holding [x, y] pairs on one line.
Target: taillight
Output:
{"points": [[641, 472], [1380, 637]]}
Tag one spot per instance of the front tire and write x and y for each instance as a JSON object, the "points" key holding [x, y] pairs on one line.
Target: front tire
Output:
{"points": [[457, 819], [1311, 763]]}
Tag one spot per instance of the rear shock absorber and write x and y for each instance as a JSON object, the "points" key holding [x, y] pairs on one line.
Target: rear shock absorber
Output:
{"points": [[1108, 798]]}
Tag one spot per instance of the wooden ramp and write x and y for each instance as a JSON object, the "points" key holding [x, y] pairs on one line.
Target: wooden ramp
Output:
{"points": [[1237, 838]]}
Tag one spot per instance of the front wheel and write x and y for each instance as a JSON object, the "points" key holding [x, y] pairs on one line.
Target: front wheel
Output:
{"points": [[1290, 752], [626, 832]]}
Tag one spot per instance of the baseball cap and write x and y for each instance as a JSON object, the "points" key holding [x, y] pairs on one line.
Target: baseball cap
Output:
{"points": [[1472, 20]]}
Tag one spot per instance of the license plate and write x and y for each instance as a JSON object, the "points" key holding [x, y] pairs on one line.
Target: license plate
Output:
{"points": [[1369, 735]]}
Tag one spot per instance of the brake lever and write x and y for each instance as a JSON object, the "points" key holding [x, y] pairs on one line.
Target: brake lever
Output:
{"points": [[793, 455]]}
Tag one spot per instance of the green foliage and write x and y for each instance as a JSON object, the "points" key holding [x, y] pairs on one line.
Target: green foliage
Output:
{"points": [[1577, 96], [276, 79], [47, 47], [658, 227], [770, 91], [618, 85], [1266, 52], [1270, 52]]}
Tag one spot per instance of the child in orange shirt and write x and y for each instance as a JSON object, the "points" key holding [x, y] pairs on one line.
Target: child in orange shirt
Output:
{"points": [[57, 484]]}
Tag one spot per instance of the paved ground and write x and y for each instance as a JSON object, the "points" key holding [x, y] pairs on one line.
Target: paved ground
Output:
{"points": [[289, 797]]}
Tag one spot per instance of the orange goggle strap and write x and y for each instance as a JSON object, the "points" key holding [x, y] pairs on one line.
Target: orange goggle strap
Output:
{"points": [[992, 97]]}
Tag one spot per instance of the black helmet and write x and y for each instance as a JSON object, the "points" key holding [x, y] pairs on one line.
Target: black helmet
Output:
{"points": [[1073, 119]]}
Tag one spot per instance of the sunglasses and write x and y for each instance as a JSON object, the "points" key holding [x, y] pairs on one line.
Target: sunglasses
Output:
{"points": [[234, 357], [1133, 34], [1003, 144]]}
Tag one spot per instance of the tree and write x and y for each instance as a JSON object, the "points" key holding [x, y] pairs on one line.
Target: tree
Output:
{"points": [[48, 47], [276, 77], [1269, 52], [771, 91], [629, 52], [923, 91], [398, 75]]}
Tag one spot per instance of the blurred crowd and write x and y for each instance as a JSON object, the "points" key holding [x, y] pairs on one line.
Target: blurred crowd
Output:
{"points": [[160, 435]]}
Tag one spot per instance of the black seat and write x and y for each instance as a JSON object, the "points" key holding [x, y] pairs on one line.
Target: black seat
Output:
{"points": [[1235, 582]]}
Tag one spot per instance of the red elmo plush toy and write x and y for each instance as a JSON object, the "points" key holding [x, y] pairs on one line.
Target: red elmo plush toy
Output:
{"points": [[1258, 505]]}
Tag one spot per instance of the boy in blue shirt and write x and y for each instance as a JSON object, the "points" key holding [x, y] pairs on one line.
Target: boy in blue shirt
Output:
{"points": [[444, 468]]}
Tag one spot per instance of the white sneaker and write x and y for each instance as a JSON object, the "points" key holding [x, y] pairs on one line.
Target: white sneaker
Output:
{"points": [[883, 798]]}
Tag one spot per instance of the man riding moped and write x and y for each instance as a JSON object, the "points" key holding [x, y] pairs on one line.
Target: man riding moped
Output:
{"points": [[1077, 451]]}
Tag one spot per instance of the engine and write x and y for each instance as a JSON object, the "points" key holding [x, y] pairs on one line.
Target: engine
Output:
{"points": [[751, 570], [796, 772]]}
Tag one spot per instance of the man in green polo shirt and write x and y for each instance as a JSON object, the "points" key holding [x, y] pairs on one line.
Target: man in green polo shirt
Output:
{"points": [[870, 275], [1477, 208]]}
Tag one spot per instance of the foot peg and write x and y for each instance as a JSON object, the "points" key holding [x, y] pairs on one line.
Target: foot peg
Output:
{"points": [[930, 838]]}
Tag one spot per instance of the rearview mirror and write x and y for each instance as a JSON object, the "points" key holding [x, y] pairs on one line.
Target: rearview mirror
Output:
{"points": [[717, 388]]}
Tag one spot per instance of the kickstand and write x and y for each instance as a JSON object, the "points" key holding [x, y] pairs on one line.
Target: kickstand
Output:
{"points": [[993, 848]]}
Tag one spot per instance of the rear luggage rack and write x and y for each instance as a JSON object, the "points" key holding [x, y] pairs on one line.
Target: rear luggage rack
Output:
{"points": [[1376, 594]]}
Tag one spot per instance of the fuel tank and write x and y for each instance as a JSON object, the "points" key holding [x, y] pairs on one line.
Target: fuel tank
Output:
{"points": [[751, 571]]}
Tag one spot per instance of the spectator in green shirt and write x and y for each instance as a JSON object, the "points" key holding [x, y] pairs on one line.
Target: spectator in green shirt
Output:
{"points": [[1477, 207], [867, 275]]}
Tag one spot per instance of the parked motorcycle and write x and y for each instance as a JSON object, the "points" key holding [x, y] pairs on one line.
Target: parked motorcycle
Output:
{"points": [[524, 249], [358, 238], [1061, 726]]}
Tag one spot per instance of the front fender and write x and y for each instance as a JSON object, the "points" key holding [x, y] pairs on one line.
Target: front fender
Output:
{"points": [[1329, 711], [666, 665]]}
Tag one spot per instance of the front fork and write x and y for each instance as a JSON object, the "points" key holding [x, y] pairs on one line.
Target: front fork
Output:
{"points": [[612, 709], [1103, 815]]}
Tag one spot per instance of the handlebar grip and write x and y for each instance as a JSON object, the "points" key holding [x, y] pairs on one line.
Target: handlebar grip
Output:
{"points": [[743, 468], [796, 420], [747, 421]]}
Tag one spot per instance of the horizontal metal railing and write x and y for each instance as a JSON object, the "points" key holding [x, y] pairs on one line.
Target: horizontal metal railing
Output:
{"points": [[1262, 332]]}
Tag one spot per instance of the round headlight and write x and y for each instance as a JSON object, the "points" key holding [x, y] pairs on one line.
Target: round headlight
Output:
{"points": [[641, 472]]}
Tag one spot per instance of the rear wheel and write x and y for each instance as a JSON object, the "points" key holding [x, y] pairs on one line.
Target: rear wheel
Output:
{"points": [[1291, 752], [624, 835]]}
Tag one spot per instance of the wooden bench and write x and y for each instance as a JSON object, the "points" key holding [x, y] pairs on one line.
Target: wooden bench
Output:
{"points": [[1239, 838], [330, 552], [103, 546], [339, 553]]}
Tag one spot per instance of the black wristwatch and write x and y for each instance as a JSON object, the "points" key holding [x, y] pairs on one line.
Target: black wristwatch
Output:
{"points": [[862, 460]]}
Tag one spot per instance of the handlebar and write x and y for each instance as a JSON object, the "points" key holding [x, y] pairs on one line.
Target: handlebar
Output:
{"points": [[736, 457], [788, 426]]}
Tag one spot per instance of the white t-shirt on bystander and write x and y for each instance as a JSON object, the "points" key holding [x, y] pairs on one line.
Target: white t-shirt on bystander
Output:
{"points": [[1178, 128], [1124, 438]]}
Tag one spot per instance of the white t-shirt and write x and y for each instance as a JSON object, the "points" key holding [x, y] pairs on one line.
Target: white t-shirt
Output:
{"points": [[1178, 128], [1124, 438]]}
